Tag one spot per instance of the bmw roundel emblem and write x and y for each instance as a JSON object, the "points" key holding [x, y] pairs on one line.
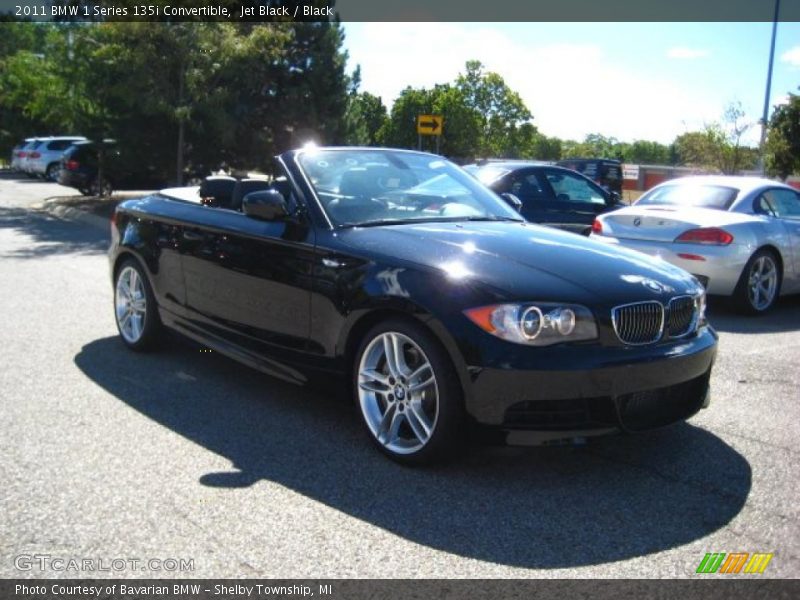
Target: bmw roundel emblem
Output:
{"points": [[653, 285], [637, 221]]}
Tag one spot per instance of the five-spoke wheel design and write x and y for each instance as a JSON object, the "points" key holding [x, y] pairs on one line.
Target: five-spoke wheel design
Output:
{"points": [[398, 392], [762, 282], [759, 285], [131, 304], [135, 307]]}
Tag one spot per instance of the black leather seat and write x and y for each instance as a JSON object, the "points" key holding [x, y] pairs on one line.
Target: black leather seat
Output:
{"points": [[217, 190], [360, 187]]}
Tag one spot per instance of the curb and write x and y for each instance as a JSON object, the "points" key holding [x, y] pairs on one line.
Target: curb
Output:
{"points": [[69, 213]]}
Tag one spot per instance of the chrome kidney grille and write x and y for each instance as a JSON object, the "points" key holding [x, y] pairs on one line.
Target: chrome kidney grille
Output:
{"points": [[644, 322], [681, 316], [639, 323]]}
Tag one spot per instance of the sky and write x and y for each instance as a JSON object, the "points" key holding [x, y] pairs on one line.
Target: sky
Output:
{"points": [[631, 81]]}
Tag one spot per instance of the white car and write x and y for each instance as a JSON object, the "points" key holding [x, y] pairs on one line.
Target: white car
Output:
{"points": [[740, 236], [44, 160]]}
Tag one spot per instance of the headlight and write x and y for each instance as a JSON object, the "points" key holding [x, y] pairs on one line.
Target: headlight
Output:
{"points": [[536, 324]]}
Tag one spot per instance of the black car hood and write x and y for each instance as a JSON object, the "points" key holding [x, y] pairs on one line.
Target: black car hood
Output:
{"points": [[524, 261]]}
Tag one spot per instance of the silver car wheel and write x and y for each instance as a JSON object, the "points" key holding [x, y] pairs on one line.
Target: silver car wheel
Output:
{"points": [[398, 393], [762, 283], [131, 305]]}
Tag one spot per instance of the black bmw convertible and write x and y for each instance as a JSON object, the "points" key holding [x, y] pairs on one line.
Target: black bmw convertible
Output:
{"points": [[423, 292]]}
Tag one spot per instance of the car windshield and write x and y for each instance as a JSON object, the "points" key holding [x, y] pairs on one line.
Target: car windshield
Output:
{"points": [[372, 187], [697, 195]]}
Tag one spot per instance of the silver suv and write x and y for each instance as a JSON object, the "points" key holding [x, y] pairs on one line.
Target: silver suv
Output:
{"points": [[44, 160]]}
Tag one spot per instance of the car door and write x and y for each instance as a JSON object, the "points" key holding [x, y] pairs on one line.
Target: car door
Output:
{"points": [[578, 201], [538, 201], [784, 206], [248, 283]]}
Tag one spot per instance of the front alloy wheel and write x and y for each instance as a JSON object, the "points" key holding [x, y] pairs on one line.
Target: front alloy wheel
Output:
{"points": [[406, 393], [134, 307]]}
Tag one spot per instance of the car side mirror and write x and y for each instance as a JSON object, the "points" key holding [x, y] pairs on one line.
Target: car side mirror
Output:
{"points": [[512, 201], [267, 205], [614, 198]]}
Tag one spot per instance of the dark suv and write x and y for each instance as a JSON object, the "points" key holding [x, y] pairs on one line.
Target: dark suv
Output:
{"points": [[80, 168], [605, 172], [550, 195]]}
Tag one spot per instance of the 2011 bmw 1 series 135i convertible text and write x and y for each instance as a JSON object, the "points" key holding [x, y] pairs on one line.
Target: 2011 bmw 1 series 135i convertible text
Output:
{"points": [[432, 299]]}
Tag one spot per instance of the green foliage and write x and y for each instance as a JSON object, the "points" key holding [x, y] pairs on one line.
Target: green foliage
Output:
{"points": [[504, 119], [482, 117], [718, 146], [594, 145], [365, 115], [176, 94], [783, 140]]}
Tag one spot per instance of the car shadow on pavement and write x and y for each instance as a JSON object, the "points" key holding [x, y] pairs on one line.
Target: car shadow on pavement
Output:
{"points": [[51, 235], [549, 507], [784, 316]]}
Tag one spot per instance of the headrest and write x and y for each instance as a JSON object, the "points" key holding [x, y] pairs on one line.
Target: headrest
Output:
{"points": [[244, 187], [218, 187]]}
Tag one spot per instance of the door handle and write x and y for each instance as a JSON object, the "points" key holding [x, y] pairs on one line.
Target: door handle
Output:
{"points": [[193, 236]]}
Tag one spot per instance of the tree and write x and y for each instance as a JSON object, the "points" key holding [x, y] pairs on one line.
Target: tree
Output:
{"points": [[594, 145], [718, 146], [699, 149], [643, 152], [177, 94], [365, 115], [500, 111], [783, 139], [462, 127], [734, 125]]}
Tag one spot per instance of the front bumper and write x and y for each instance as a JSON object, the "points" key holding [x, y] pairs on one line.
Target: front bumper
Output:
{"points": [[560, 392]]}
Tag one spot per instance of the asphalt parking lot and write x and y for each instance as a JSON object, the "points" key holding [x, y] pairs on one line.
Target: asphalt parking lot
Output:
{"points": [[181, 454]]}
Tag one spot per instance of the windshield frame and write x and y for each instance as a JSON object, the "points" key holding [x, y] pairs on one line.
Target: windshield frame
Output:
{"points": [[504, 212]]}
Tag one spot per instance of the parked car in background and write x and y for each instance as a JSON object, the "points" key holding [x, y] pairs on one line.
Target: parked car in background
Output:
{"points": [[98, 168], [739, 236], [45, 159], [18, 153], [30, 150], [605, 172], [428, 298], [81, 167], [550, 195]]}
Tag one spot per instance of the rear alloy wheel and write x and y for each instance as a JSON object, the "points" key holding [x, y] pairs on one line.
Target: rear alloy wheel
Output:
{"points": [[408, 394], [760, 283], [53, 171], [100, 187], [135, 310]]}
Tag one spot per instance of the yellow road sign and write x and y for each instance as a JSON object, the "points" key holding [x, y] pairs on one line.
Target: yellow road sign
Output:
{"points": [[430, 124]]}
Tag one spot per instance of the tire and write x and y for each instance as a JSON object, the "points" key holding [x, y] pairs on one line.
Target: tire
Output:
{"points": [[759, 285], [52, 172], [412, 409], [100, 187], [135, 309]]}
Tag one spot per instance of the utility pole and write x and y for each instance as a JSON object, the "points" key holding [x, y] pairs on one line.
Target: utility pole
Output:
{"points": [[765, 114]]}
